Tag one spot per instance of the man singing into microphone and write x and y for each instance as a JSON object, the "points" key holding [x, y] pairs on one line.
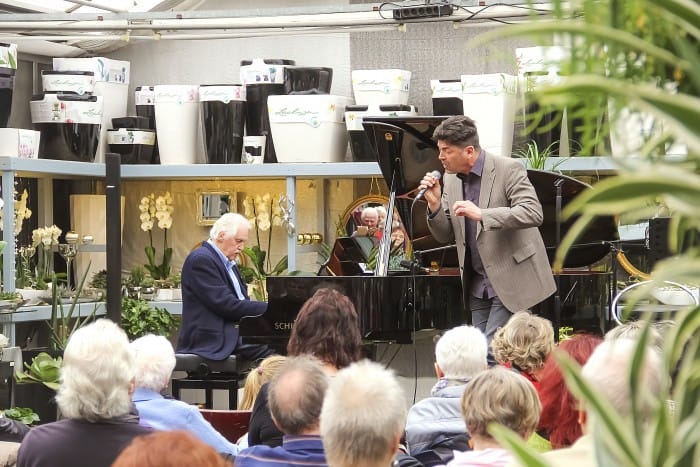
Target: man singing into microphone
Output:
{"points": [[489, 208]]}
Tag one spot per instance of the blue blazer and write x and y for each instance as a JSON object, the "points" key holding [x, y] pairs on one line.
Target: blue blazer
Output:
{"points": [[210, 306]]}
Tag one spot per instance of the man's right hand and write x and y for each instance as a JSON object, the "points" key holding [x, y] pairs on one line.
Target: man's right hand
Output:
{"points": [[432, 194]]}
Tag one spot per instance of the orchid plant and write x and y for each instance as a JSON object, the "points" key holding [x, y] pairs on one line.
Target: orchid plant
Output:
{"points": [[43, 240], [263, 212], [22, 212], [157, 210]]}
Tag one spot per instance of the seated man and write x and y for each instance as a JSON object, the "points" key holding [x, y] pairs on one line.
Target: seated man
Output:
{"points": [[155, 361], [95, 399], [295, 397], [363, 417], [215, 297], [435, 422]]}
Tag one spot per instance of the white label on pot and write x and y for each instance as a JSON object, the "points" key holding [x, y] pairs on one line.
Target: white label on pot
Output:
{"points": [[144, 97], [176, 94], [223, 94], [493, 84], [51, 109], [69, 83], [8, 56], [260, 72], [446, 89], [147, 138], [28, 144], [353, 121], [297, 115]]}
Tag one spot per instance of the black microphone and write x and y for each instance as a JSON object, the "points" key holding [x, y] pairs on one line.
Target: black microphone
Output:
{"points": [[421, 193]]}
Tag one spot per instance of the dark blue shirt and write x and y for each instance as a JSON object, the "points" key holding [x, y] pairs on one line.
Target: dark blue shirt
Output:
{"points": [[471, 186], [296, 450]]}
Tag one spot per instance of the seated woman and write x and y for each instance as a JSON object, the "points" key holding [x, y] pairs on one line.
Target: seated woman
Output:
{"points": [[172, 449], [524, 344], [498, 396], [155, 361], [326, 327], [559, 420]]}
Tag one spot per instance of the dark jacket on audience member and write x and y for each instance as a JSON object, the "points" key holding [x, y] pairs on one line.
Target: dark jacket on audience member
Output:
{"points": [[78, 443], [262, 430], [296, 450]]}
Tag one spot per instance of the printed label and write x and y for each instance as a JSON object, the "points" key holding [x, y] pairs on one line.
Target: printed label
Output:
{"points": [[8, 56], [177, 94], [147, 138], [67, 83], [223, 94]]}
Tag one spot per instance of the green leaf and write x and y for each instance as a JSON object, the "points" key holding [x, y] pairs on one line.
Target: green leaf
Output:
{"points": [[515, 444]]}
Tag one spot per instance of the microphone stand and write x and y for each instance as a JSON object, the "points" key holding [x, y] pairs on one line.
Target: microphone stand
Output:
{"points": [[557, 277]]}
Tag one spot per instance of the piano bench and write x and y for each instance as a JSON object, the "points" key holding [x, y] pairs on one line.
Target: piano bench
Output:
{"points": [[208, 375]]}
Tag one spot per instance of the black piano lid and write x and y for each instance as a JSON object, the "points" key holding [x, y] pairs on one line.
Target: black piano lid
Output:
{"points": [[404, 145], [592, 245]]}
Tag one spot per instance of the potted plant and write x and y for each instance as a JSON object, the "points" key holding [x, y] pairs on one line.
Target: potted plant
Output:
{"points": [[138, 318], [37, 384], [133, 281]]}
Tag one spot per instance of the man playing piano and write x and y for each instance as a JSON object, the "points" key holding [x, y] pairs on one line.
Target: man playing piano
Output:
{"points": [[214, 295], [489, 208]]}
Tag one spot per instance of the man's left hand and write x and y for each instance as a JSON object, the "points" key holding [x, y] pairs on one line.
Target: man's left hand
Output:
{"points": [[467, 209]]}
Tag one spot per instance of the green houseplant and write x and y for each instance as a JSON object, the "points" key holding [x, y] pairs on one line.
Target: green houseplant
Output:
{"points": [[139, 318], [637, 56]]}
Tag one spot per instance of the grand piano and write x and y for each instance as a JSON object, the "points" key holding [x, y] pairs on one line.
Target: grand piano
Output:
{"points": [[393, 305]]}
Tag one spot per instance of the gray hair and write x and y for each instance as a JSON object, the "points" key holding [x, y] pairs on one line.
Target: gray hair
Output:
{"points": [[363, 416], [296, 394], [607, 371], [98, 367], [461, 352], [229, 224], [155, 361]]}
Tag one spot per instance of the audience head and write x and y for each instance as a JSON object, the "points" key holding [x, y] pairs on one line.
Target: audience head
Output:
{"points": [[370, 217], [296, 394], [381, 213], [500, 395], [525, 342], [257, 377], [328, 328], [459, 131], [363, 416], [559, 407], [633, 330], [607, 370], [461, 353], [155, 362], [169, 449], [97, 373]]}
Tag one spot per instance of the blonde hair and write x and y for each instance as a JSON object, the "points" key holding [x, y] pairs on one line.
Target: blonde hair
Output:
{"points": [[502, 396], [525, 341], [257, 377]]}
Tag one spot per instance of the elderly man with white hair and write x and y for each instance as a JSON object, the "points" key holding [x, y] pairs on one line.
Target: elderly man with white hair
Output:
{"points": [[95, 399], [363, 417], [155, 361], [436, 423]]}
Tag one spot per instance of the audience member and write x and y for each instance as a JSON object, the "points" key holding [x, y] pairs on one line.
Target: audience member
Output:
{"points": [[524, 344], [559, 418], [437, 420], [169, 449], [155, 361], [498, 396], [95, 399], [381, 216], [363, 417], [11, 434], [326, 327], [633, 330], [295, 398], [607, 372], [370, 217], [215, 296], [257, 377]]}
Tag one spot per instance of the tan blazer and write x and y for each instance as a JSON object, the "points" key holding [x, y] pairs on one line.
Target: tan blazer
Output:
{"points": [[510, 245], [8, 453]]}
